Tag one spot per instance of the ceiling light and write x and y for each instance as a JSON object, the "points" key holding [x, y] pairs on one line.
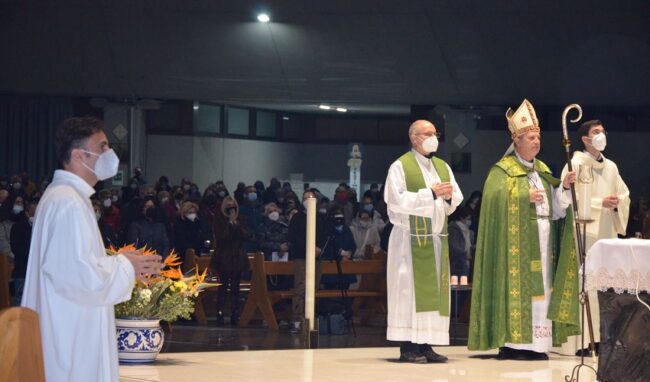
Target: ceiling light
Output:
{"points": [[285, 118], [325, 107], [196, 106], [263, 18], [341, 109]]}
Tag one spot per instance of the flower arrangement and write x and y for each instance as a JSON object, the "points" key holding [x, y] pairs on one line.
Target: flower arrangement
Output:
{"points": [[165, 297]]}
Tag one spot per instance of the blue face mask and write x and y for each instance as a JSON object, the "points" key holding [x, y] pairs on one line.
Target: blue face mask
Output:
{"points": [[252, 196], [339, 228], [368, 207]]}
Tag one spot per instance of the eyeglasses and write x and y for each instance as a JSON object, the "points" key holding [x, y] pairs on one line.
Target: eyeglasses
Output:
{"points": [[429, 135]]}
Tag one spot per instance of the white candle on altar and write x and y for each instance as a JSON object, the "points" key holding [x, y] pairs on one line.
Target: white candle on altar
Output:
{"points": [[310, 284]]}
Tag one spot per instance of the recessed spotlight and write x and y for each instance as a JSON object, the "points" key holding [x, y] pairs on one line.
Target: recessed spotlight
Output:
{"points": [[263, 18], [341, 109], [196, 106], [285, 118], [325, 107]]}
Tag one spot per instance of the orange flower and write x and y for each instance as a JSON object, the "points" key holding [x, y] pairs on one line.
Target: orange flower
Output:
{"points": [[172, 260], [172, 273]]}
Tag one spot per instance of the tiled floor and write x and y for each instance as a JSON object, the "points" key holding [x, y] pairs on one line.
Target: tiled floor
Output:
{"points": [[347, 364]]}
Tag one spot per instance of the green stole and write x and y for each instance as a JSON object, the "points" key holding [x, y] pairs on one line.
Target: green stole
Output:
{"points": [[429, 295]]}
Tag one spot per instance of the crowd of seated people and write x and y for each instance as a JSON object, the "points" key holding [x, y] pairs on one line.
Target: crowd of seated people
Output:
{"points": [[252, 218]]}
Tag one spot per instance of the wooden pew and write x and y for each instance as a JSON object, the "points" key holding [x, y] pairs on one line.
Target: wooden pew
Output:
{"points": [[202, 262], [5, 275], [260, 298], [21, 351]]}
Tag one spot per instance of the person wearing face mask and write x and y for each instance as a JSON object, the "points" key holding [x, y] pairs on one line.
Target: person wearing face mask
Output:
{"points": [[20, 238], [272, 233], [252, 211], [169, 209], [230, 259], [525, 265], [365, 234], [323, 206], [342, 200], [377, 219], [341, 247], [610, 207], [190, 230], [147, 228], [17, 188], [18, 208], [109, 236], [420, 192], [70, 279], [110, 212]]}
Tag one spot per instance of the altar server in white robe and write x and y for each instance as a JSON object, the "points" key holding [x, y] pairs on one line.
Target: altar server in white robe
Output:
{"points": [[420, 192], [71, 283], [609, 207]]}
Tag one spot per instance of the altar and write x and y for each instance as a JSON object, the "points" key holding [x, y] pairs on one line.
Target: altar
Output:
{"points": [[619, 269]]}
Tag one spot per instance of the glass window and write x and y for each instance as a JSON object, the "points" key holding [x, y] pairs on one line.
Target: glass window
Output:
{"points": [[237, 121], [291, 127], [265, 125], [207, 118]]}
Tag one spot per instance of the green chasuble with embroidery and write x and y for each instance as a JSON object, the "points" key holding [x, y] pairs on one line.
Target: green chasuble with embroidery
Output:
{"points": [[508, 269], [430, 295]]}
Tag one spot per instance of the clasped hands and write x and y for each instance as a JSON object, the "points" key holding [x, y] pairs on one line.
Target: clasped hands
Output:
{"points": [[443, 190], [144, 266]]}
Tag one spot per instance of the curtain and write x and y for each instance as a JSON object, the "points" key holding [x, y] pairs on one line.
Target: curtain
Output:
{"points": [[27, 129]]}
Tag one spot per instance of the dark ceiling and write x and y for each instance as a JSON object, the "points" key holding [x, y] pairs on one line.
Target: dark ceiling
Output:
{"points": [[367, 55]]}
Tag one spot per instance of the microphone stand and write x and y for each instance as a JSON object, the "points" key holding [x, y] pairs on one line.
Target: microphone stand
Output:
{"points": [[581, 236]]}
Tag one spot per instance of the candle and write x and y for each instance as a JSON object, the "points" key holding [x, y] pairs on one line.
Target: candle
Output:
{"points": [[310, 285]]}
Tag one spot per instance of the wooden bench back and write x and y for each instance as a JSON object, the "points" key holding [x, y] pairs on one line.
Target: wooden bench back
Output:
{"points": [[272, 268], [21, 351], [5, 276]]}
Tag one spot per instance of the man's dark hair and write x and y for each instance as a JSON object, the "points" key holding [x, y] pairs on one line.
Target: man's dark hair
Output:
{"points": [[583, 130], [73, 133]]}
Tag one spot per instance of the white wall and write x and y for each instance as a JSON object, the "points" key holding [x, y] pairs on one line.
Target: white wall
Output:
{"points": [[206, 160]]}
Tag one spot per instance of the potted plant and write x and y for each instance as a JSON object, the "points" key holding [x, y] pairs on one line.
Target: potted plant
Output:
{"points": [[161, 298]]}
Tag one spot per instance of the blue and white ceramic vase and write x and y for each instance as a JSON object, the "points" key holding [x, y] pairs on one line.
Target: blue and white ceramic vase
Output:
{"points": [[138, 341]]}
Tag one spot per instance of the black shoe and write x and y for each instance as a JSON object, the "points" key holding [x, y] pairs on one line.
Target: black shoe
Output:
{"points": [[412, 357], [431, 355], [520, 355], [220, 321], [586, 352]]}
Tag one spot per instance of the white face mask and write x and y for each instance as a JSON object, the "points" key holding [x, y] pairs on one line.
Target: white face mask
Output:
{"points": [[430, 144], [191, 217], [18, 209], [322, 210], [106, 165], [31, 220], [275, 215], [599, 141], [107, 203], [114, 198], [98, 215]]}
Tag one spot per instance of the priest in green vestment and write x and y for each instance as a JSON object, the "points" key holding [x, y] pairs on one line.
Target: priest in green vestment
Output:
{"points": [[525, 285], [420, 192]]}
